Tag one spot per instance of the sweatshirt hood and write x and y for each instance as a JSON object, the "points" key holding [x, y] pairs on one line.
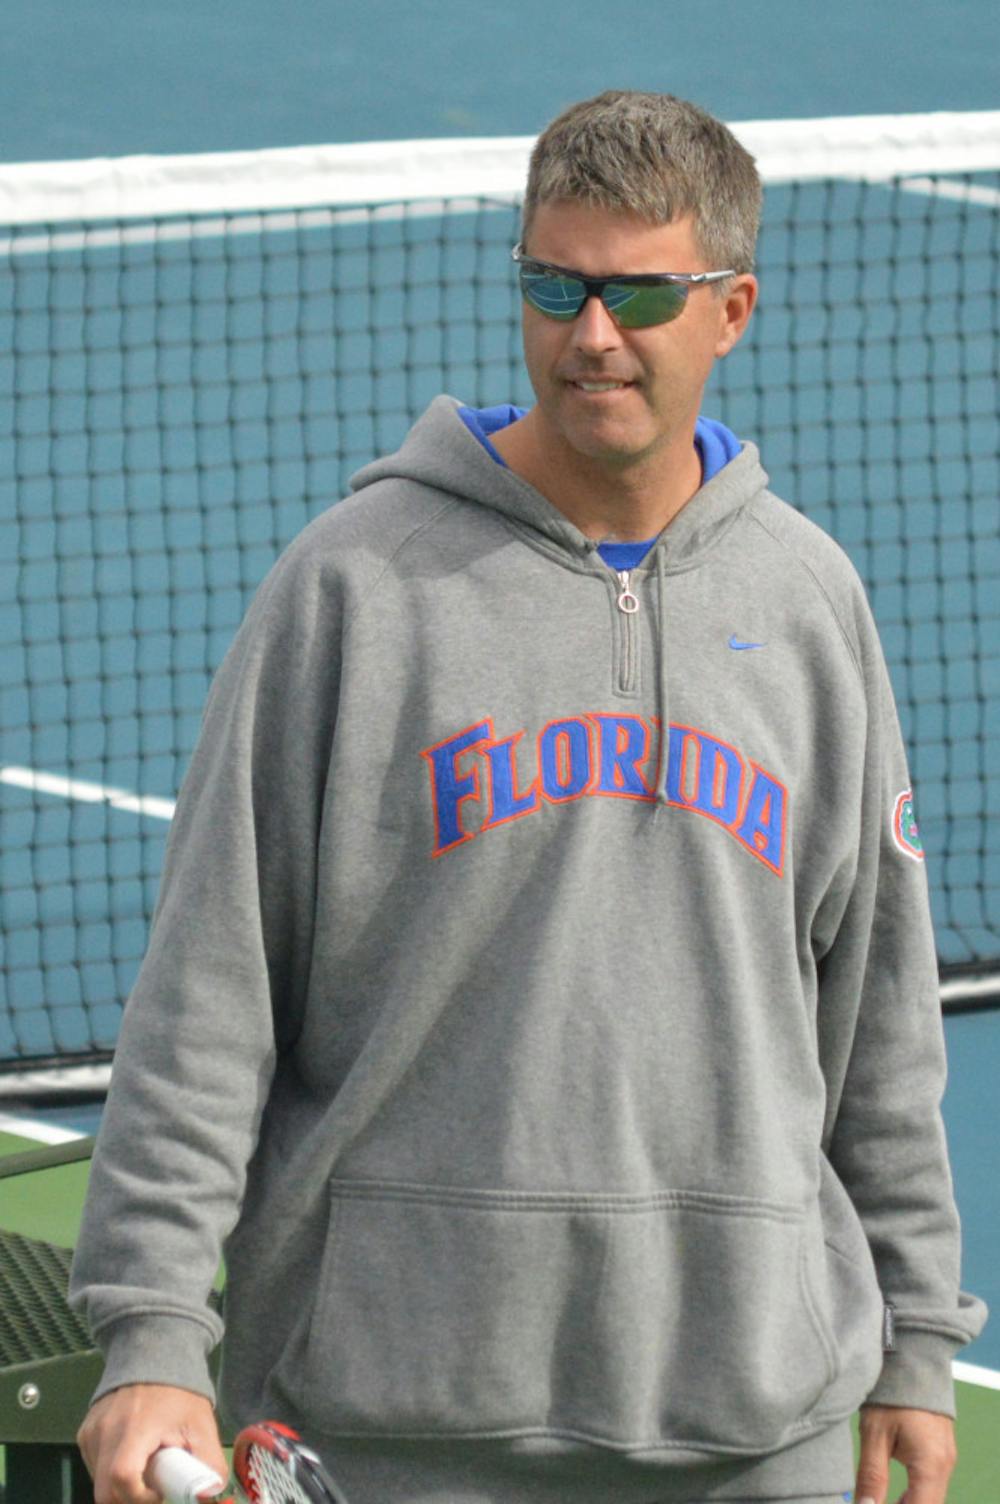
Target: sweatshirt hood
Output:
{"points": [[441, 452]]}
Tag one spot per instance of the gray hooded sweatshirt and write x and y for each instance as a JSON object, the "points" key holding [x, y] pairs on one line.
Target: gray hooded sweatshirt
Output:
{"points": [[540, 1012]]}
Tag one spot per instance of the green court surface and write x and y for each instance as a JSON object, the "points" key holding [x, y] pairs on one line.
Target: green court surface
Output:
{"points": [[46, 1205]]}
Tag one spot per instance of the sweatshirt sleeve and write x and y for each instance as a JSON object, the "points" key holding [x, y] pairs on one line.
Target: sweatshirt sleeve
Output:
{"points": [[218, 995], [882, 1047]]}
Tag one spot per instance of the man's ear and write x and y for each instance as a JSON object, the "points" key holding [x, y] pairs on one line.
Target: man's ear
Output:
{"points": [[736, 306]]}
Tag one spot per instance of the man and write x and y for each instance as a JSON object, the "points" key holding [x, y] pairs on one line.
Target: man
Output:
{"points": [[541, 1007]]}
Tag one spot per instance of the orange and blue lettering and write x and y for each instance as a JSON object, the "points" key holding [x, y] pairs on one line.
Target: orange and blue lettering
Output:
{"points": [[507, 802], [762, 828], [564, 760], [602, 755], [623, 746], [451, 786], [704, 774]]}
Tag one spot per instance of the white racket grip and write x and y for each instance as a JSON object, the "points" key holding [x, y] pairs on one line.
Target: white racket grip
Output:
{"points": [[179, 1478]]}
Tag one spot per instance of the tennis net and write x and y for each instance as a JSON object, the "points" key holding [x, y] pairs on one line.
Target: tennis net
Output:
{"points": [[197, 352]]}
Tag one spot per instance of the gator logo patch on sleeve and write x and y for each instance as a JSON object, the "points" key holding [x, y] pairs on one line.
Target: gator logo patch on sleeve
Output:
{"points": [[905, 831]]}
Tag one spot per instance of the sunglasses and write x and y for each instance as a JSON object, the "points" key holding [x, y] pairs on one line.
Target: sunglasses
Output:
{"points": [[634, 302]]}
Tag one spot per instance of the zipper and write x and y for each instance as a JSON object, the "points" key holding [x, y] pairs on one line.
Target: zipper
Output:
{"points": [[628, 658]]}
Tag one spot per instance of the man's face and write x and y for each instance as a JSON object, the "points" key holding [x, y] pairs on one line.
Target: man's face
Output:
{"points": [[618, 396]]}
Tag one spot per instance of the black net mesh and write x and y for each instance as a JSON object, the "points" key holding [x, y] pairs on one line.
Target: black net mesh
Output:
{"points": [[184, 395]]}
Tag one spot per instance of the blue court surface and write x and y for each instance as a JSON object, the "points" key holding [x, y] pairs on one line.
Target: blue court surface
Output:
{"points": [[195, 75]]}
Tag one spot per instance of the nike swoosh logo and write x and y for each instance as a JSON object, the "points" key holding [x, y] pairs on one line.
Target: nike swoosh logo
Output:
{"points": [[743, 647]]}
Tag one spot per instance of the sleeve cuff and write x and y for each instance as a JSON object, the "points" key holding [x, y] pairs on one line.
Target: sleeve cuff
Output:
{"points": [[917, 1373], [156, 1350]]}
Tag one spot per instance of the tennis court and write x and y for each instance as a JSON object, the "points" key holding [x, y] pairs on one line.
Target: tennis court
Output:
{"points": [[186, 385]]}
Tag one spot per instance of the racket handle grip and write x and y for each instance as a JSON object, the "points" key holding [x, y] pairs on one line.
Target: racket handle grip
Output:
{"points": [[179, 1478]]}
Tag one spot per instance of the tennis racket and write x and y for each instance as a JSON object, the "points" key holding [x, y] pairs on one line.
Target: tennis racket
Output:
{"points": [[270, 1464]]}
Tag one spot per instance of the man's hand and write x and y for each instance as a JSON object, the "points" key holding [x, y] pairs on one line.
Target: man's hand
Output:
{"points": [[921, 1440], [125, 1427]]}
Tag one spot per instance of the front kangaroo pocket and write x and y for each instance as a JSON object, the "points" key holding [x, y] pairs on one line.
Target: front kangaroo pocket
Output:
{"points": [[680, 1318]]}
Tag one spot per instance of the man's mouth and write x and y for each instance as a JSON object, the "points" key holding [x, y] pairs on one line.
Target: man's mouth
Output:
{"points": [[584, 385]]}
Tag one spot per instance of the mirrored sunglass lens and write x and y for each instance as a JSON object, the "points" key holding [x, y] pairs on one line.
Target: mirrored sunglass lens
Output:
{"points": [[556, 297], [637, 307]]}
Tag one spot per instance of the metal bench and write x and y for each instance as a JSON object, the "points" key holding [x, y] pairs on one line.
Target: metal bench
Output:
{"points": [[49, 1366]]}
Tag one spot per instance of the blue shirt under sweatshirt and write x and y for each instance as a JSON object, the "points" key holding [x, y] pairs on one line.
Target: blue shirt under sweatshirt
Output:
{"points": [[716, 446]]}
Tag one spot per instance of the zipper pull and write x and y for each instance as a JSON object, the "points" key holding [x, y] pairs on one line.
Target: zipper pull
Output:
{"points": [[628, 601]]}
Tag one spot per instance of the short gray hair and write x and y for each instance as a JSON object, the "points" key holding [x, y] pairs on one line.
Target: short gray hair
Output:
{"points": [[657, 157]]}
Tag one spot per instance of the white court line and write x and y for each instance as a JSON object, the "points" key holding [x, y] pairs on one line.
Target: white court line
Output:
{"points": [[53, 1081], [970, 989], [273, 223], [963, 193], [91, 793], [43, 1133], [969, 1373], [279, 222]]}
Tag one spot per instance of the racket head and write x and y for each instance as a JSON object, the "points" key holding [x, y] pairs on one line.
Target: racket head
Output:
{"points": [[273, 1466]]}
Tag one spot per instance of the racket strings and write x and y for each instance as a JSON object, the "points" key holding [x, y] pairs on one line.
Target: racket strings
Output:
{"points": [[270, 1481]]}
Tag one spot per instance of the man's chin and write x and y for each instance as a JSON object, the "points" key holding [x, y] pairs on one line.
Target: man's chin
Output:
{"points": [[610, 444]]}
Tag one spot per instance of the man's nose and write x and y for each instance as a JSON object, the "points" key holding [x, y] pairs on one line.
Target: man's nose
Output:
{"points": [[594, 329]]}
